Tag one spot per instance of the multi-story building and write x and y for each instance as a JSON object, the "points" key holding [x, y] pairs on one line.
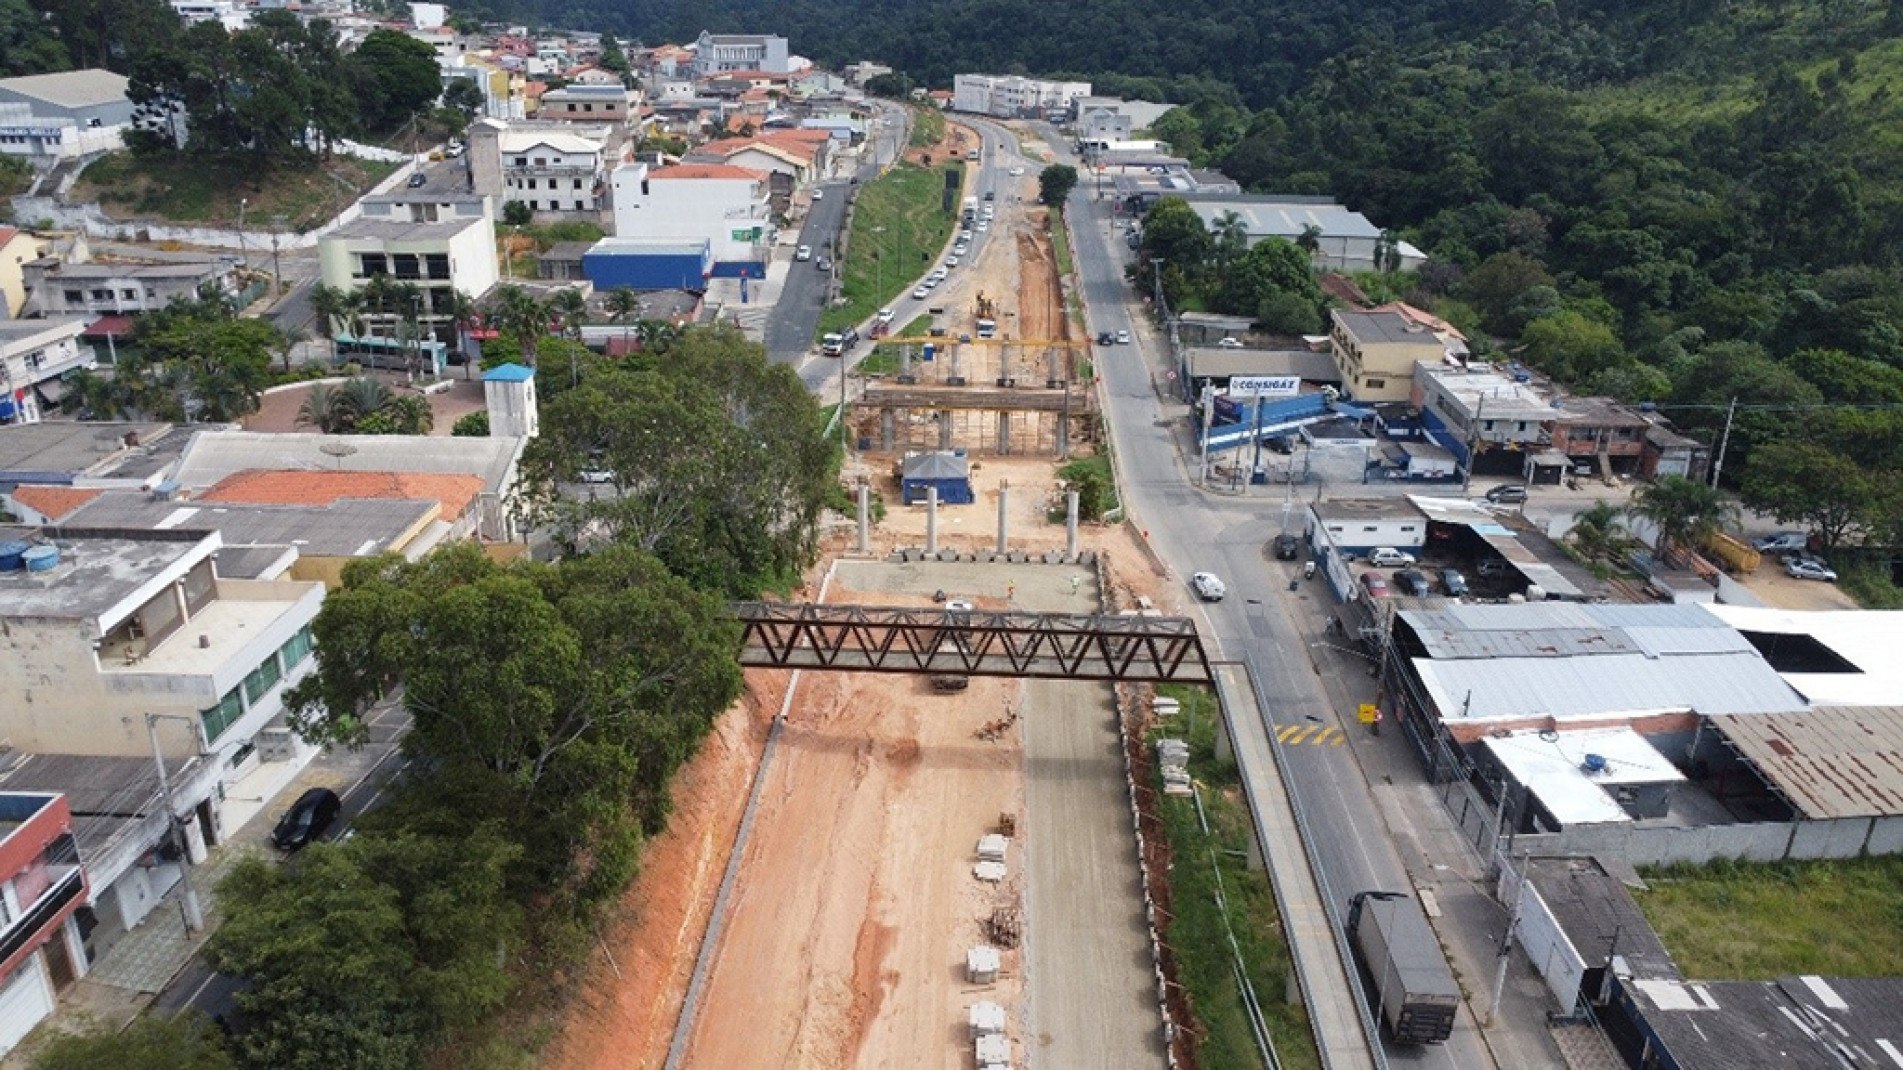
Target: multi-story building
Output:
{"points": [[51, 117], [35, 358], [718, 53], [1012, 97], [441, 247], [226, 13], [41, 887], [560, 172], [113, 288], [589, 104], [1376, 353], [17, 248], [725, 205]]}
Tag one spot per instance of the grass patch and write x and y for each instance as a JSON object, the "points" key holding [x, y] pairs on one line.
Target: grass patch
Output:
{"points": [[1096, 484], [206, 190], [881, 264], [1759, 921], [1208, 870], [1060, 243], [928, 127], [1870, 585]]}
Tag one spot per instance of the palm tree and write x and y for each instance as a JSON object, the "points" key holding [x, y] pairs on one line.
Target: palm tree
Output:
{"points": [[320, 409], [1232, 237], [288, 341], [462, 315], [522, 317], [1309, 240], [332, 306], [1685, 512], [1599, 531], [623, 304], [357, 399], [572, 309]]}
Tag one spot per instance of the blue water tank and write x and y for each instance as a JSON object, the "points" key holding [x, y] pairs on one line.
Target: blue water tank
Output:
{"points": [[12, 556], [1594, 763], [41, 558]]}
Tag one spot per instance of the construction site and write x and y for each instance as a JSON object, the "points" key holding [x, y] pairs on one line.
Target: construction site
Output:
{"points": [[869, 869]]}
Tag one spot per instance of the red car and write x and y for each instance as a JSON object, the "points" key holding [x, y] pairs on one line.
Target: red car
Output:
{"points": [[1375, 584]]}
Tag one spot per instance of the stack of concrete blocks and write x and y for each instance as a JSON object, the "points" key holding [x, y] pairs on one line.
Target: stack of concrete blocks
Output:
{"points": [[987, 1019], [994, 1052], [1163, 708], [1172, 758], [982, 964], [990, 867]]}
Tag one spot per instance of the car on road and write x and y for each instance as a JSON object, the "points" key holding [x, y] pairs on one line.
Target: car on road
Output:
{"points": [[886, 315], [1801, 567], [991, 195], [1414, 582], [921, 292], [596, 475], [960, 249], [804, 252], [984, 225], [1207, 586], [1227, 342], [418, 179], [1453, 582], [951, 261], [1287, 546], [1017, 172], [1123, 338], [1105, 338], [958, 605], [824, 263], [307, 819], [1376, 585], [819, 194], [1389, 557], [1509, 494]]}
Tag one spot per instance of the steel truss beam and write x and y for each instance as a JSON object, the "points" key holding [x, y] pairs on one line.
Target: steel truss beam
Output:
{"points": [[853, 638]]}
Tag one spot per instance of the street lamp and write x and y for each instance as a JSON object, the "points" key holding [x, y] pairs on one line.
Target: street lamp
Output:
{"points": [[194, 916]]}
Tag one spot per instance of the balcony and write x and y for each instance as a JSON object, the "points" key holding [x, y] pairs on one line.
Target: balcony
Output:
{"points": [[569, 170], [220, 644]]}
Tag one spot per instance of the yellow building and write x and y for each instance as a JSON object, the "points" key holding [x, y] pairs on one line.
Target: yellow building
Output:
{"points": [[16, 248], [1376, 353]]}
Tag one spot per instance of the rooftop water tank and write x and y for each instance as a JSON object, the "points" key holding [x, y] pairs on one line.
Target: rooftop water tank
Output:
{"points": [[41, 558], [12, 556], [1594, 763]]}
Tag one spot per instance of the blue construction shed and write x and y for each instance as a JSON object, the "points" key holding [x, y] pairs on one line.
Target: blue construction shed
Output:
{"points": [[649, 264], [949, 471]]}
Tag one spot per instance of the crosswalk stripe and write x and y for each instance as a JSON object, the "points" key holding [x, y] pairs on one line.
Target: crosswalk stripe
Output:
{"points": [[1283, 733]]}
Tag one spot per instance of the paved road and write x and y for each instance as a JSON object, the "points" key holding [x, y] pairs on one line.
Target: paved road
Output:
{"points": [[1195, 531], [790, 326]]}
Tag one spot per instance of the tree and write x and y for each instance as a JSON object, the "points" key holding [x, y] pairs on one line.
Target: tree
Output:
{"points": [[396, 75], [1804, 481], [522, 317], [1287, 313], [465, 96], [1683, 511], [1270, 268], [472, 425], [27, 44], [624, 306], [1599, 531], [188, 1042], [1054, 184], [331, 305], [364, 406], [892, 86], [1570, 347], [517, 214], [195, 361], [1499, 281]]}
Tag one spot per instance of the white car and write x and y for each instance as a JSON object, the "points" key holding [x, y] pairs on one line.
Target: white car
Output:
{"points": [[1388, 557], [951, 261], [1229, 343], [1123, 338], [984, 225], [819, 194], [1017, 172], [804, 252], [921, 292], [1207, 586], [960, 249], [886, 315], [597, 475], [1808, 568]]}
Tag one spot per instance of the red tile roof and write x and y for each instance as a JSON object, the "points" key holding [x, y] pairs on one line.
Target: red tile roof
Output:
{"points": [[261, 486], [706, 170], [53, 502], [7, 234]]}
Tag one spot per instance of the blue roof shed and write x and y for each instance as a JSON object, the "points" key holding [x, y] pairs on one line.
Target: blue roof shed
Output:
{"points": [[949, 472]]}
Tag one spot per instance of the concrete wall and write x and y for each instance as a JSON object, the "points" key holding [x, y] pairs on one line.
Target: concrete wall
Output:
{"points": [[1765, 841]]}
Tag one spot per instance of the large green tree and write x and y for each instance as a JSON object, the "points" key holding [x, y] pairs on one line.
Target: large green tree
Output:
{"points": [[187, 1042], [1805, 481], [397, 76], [1683, 512], [28, 44], [1054, 184]]}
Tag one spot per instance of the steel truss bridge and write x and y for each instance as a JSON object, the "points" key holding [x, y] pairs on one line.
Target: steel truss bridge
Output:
{"points": [[972, 642]]}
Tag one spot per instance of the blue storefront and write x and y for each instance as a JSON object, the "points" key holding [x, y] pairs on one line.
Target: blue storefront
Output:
{"points": [[635, 264]]}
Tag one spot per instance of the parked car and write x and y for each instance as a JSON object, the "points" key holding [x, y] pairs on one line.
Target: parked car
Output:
{"points": [[819, 194], [1491, 567], [307, 819], [1781, 542], [1414, 582], [1453, 582], [1207, 586], [824, 263], [418, 179], [1105, 338], [984, 225], [1509, 494], [947, 681], [1800, 567], [804, 252], [1389, 557], [991, 195], [1375, 584], [1287, 546], [886, 315], [1229, 343], [921, 292], [1123, 338]]}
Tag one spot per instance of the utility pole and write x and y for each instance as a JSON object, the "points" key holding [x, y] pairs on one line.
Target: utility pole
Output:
{"points": [[1506, 948], [1724, 441], [1473, 445], [277, 271], [194, 916], [244, 254], [1156, 278]]}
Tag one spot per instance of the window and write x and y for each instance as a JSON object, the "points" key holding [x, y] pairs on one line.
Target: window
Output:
{"points": [[1376, 384], [262, 679], [102, 295], [578, 183], [74, 297], [521, 161], [129, 295], [1370, 527], [221, 717]]}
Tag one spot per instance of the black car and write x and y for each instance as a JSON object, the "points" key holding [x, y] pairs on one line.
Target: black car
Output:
{"points": [[418, 179], [1414, 582], [307, 819], [1105, 338], [1510, 494], [1287, 546]]}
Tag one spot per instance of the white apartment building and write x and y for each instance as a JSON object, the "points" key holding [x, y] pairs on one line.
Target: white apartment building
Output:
{"points": [[558, 171], [1011, 97], [719, 53], [727, 206], [35, 355], [441, 247]]}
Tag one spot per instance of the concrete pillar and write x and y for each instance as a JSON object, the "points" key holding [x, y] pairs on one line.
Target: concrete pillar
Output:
{"points": [[1054, 370], [1004, 498], [888, 421], [944, 429], [1063, 435], [1004, 432], [931, 521], [865, 518], [1070, 524]]}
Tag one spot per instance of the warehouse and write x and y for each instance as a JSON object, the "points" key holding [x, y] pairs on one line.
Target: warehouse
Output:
{"points": [[649, 264]]}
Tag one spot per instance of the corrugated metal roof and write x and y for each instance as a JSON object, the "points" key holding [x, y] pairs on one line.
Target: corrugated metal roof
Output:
{"points": [[1481, 689], [1828, 761]]}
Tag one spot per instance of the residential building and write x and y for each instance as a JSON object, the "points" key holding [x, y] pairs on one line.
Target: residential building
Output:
{"points": [[41, 887], [92, 454], [444, 248], [17, 247], [559, 174], [226, 13], [1104, 124], [117, 646], [1345, 240], [502, 90], [789, 158], [589, 104], [1515, 427], [724, 205], [724, 52], [1358, 525], [55, 287], [35, 358], [671, 62], [1376, 353], [52, 117], [864, 71], [1012, 97]]}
